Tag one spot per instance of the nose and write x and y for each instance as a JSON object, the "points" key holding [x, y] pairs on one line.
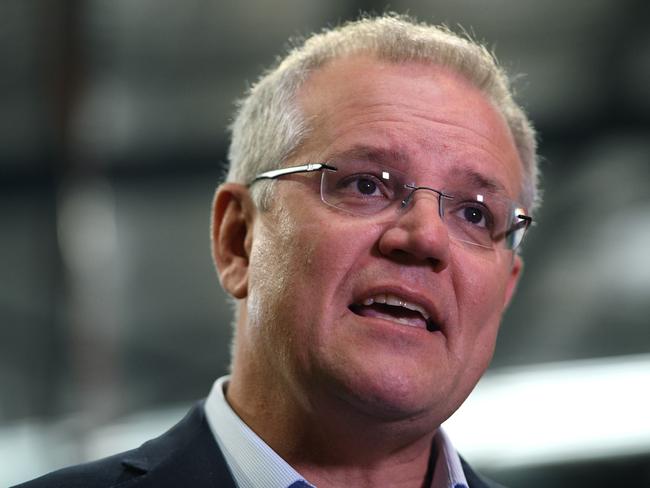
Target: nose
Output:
{"points": [[418, 233]]}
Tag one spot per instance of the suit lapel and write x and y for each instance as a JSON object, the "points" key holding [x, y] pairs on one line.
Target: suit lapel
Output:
{"points": [[474, 480], [186, 455]]}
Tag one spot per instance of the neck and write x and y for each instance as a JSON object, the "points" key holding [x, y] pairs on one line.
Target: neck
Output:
{"points": [[329, 441]]}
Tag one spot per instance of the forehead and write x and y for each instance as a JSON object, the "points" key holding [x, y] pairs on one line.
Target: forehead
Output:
{"points": [[430, 116]]}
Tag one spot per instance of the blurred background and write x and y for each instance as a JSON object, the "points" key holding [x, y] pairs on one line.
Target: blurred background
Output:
{"points": [[113, 119]]}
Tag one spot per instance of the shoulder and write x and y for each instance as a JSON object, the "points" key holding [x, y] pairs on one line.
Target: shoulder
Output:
{"points": [[185, 455], [106, 472], [475, 480]]}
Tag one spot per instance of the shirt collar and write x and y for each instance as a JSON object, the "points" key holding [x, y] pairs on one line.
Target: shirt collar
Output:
{"points": [[253, 463], [448, 472]]}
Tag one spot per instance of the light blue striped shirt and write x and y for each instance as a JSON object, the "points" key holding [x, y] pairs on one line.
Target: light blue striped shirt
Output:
{"points": [[254, 464]]}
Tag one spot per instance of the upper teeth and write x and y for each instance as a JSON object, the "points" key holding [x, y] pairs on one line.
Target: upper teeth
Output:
{"points": [[395, 301]]}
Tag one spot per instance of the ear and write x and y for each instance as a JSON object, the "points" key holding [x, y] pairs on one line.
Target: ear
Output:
{"points": [[513, 278], [233, 214]]}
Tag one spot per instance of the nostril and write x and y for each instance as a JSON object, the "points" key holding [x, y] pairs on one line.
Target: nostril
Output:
{"points": [[437, 264], [416, 239]]}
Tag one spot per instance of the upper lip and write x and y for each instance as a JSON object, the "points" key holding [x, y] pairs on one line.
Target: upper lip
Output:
{"points": [[418, 299]]}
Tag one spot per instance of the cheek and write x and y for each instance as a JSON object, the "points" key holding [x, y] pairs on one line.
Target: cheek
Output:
{"points": [[270, 272], [290, 262], [277, 292], [480, 291], [298, 270], [331, 244], [480, 286]]}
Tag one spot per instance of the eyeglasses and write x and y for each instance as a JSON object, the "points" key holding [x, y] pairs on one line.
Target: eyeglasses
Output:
{"points": [[367, 189]]}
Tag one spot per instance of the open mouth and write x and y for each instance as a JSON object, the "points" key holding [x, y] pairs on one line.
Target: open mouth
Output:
{"points": [[395, 309]]}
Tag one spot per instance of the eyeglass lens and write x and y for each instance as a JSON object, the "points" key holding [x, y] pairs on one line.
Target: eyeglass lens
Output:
{"points": [[470, 215]]}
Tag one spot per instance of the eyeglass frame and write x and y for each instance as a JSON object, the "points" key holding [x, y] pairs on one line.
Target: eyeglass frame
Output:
{"points": [[273, 174]]}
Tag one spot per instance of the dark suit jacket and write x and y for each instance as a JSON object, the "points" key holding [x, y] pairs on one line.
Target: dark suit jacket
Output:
{"points": [[185, 456]]}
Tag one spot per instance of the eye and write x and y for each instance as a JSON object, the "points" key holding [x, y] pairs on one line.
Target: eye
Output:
{"points": [[362, 188], [366, 186], [362, 185], [474, 215]]}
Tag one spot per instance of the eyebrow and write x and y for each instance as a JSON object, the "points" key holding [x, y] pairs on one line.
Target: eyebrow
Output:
{"points": [[479, 180], [380, 155]]}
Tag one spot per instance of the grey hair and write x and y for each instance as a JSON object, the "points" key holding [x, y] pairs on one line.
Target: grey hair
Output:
{"points": [[269, 126]]}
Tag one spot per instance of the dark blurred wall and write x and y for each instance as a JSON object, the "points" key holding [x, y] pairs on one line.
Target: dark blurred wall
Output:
{"points": [[113, 134]]}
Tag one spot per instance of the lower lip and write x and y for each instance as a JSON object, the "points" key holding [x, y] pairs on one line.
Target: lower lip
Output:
{"points": [[397, 327]]}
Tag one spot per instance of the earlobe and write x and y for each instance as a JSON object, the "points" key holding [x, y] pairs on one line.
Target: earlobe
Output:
{"points": [[233, 214], [513, 279]]}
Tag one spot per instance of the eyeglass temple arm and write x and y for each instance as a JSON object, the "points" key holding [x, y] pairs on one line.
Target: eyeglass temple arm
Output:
{"points": [[524, 222], [305, 168]]}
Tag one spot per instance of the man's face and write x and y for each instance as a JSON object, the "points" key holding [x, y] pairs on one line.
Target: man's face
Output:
{"points": [[314, 270]]}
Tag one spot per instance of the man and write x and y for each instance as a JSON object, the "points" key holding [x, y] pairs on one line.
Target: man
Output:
{"points": [[381, 180]]}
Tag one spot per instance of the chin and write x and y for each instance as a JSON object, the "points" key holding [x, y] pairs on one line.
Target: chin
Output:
{"points": [[394, 397]]}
